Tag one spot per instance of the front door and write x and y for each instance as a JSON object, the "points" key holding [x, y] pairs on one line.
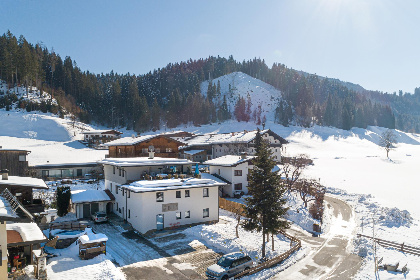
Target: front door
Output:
{"points": [[94, 207], [159, 222]]}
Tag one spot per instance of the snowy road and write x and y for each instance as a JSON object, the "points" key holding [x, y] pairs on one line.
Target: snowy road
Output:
{"points": [[328, 257]]}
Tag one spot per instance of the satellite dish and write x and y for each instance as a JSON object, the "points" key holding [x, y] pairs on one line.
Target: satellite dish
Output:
{"points": [[151, 148]]}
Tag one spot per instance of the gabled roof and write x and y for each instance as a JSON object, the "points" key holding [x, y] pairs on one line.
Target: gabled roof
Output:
{"points": [[228, 160], [129, 141], [242, 137], [24, 182], [89, 196]]}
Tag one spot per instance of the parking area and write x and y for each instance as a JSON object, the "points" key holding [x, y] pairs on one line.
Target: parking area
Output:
{"points": [[167, 255]]}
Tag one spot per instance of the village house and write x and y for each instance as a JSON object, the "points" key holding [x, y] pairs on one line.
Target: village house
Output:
{"points": [[154, 193], [54, 171], [162, 145], [22, 189], [234, 143], [96, 137], [86, 202], [234, 169], [15, 161]]}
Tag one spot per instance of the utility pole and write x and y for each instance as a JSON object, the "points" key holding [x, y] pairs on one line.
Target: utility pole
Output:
{"points": [[374, 245]]}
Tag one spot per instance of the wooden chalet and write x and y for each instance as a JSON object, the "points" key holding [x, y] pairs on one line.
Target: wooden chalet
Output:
{"points": [[15, 161], [163, 146]]}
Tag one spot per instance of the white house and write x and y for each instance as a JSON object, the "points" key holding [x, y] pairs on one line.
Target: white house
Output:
{"points": [[234, 169], [159, 204], [86, 202]]}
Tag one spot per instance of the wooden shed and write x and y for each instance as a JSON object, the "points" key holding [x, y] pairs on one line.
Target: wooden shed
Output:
{"points": [[92, 245]]}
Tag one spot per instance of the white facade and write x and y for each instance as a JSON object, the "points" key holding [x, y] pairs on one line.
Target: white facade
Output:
{"points": [[233, 169], [136, 199]]}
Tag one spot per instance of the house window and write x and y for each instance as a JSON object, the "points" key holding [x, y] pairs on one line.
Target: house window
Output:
{"points": [[119, 172], [238, 187], [129, 194], [117, 206], [178, 215], [129, 213], [237, 172], [187, 214], [116, 190], [157, 150], [276, 150], [144, 150], [119, 150], [187, 193], [169, 150], [206, 192], [113, 169], [178, 194], [206, 213], [159, 197], [218, 172], [22, 157], [122, 192], [111, 187]]}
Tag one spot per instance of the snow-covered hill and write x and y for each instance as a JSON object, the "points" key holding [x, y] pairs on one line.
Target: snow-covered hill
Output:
{"points": [[33, 94], [242, 85]]}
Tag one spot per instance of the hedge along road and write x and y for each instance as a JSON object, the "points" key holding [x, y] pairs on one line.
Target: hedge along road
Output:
{"points": [[329, 257]]}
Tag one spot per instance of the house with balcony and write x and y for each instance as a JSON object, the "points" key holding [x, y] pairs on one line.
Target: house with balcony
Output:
{"points": [[154, 193], [234, 169], [162, 145], [22, 188]]}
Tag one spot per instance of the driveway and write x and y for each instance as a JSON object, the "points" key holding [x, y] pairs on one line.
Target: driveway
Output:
{"points": [[328, 258]]}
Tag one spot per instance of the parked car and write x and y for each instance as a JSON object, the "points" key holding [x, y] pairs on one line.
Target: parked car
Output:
{"points": [[229, 265], [99, 217]]}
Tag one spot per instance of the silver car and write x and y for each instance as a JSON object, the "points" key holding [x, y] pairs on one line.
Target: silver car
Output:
{"points": [[99, 217], [229, 265]]}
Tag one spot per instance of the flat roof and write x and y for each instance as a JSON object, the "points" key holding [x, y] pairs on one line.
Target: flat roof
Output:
{"points": [[144, 161], [228, 160], [25, 182], [171, 184], [64, 165]]}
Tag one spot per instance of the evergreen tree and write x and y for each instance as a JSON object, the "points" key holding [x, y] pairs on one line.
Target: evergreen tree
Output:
{"points": [[265, 207], [63, 200]]}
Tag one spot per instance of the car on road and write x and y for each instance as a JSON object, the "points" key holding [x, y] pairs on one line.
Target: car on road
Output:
{"points": [[229, 265], [99, 217]]}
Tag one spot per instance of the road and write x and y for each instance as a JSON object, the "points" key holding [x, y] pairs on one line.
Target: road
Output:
{"points": [[329, 257]]}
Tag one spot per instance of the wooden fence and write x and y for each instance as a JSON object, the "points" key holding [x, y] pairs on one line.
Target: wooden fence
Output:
{"points": [[238, 208], [68, 225], [401, 247]]}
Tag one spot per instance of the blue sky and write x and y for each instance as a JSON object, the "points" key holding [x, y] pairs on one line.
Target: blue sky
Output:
{"points": [[375, 43]]}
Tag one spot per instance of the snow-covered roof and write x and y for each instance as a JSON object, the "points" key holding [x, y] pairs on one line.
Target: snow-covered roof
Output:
{"points": [[24, 181], [103, 131], [81, 196], [144, 161], [171, 184], [5, 209], [28, 231], [65, 165], [14, 150], [228, 160], [130, 140], [90, 237], [223, 138], [193, 152]]}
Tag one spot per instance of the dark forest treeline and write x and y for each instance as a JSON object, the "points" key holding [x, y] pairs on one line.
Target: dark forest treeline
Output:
{"points": [[171, 95]]}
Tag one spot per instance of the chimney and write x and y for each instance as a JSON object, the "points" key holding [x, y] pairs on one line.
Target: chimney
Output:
{"points": [[233, 133], [244, 155], [5, 174]]}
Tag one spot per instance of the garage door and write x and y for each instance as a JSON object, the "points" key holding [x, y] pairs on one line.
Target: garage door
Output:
{"points": [[94, 207], [86, 211]]}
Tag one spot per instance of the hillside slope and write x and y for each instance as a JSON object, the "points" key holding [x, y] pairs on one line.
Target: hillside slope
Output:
{"points": [[238, 84]]}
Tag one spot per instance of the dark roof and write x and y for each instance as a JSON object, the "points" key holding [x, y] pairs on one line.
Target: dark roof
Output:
{"points": [[64, 165], [278, 137]]}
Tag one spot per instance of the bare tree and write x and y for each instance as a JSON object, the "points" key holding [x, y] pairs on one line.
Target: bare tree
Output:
{"points": [[388, 141], [309, 190], [292, 169]]}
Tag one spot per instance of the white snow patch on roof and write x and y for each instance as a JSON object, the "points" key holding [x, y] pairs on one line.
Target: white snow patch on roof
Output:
{"points": [[81, 196], [171, 184], [28, 231], [193, 152], [91, 237], [228, 160], [24, 181], [130, 140], [242, 137]]}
